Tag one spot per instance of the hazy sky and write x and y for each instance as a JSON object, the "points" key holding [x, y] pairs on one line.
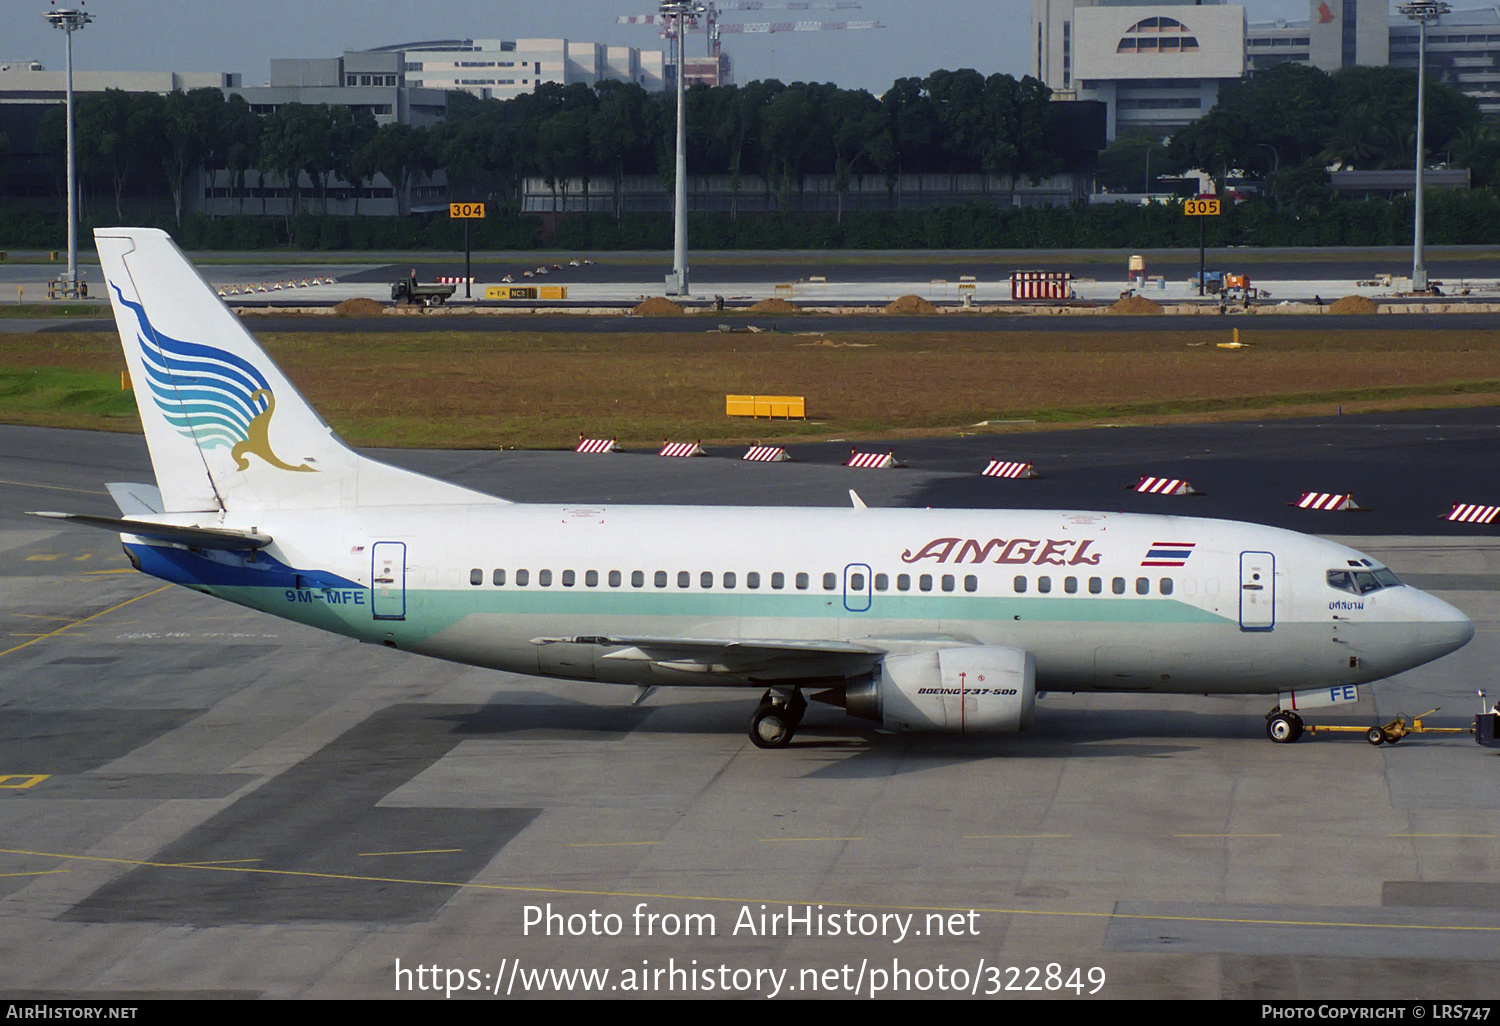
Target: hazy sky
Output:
{"points": [[243, 35]]}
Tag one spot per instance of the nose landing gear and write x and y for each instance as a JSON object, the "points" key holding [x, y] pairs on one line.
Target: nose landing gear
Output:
{"points": [[1283, 727]]}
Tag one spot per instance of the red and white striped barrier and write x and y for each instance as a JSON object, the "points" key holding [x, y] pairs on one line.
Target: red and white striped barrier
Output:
{"points": [[454, 281], [596, 445], [1468, 513], [766, 454], [1000, 468], [1326, 501], [871, 460], [1041, 285], [682, 449], [1165, 486]]}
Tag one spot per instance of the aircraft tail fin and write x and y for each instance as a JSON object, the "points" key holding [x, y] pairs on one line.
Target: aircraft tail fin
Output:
{"points": [[226, 429]]}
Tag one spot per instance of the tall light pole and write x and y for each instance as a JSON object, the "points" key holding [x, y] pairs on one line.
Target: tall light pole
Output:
{"points": [[71, 21], [681, 9], [1422, 12]]}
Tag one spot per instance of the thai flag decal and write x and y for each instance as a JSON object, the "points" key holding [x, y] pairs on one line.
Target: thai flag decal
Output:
{"points": [[1164, 553]]}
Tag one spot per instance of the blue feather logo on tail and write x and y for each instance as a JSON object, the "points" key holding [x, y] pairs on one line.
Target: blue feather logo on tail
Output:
{"points": [[208, 395]]}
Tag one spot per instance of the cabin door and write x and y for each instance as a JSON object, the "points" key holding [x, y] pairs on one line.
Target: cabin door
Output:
{"points": [[388, 580], [1257, 591]]}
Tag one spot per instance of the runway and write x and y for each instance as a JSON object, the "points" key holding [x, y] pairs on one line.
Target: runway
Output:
{"points": [[201, 800]]}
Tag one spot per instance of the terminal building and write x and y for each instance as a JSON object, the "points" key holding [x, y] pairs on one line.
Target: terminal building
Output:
{"points": [[1159, 66], [501, 69]]}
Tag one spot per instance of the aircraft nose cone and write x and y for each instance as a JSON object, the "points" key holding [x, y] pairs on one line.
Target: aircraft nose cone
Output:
{"points": [[1442, 628]]}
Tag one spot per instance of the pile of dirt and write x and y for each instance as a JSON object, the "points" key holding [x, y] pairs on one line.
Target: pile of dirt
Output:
{"points": [[656, 306], [1354, 305], [911, 305], [1136, 305], [775, 306], [358, 307]]}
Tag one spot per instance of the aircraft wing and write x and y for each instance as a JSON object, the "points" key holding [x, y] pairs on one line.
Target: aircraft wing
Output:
{"points": [[197, 537], [745, 661]]}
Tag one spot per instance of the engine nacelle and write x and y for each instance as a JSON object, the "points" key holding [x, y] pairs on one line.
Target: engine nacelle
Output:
{"points": [[973, 689]]}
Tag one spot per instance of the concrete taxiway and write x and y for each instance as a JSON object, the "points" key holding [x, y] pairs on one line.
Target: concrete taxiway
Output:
{"points": [[200, 800]]}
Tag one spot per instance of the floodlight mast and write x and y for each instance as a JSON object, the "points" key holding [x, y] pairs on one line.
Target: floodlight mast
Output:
{"points": [[71, 21], [681, 10], [1422, 12]]}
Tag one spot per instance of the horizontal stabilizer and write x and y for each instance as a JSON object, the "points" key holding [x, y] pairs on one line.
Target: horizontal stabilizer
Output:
{"points": [[196, 537], [135, 499]]}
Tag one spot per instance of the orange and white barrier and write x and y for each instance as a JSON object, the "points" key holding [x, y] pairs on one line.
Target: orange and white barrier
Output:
{"points": [[1041, 285], [596, 445], [277, 286], [766, 454], [872, 460], [1165, 486], [454, 281], [1327, 502], [1467, 513], [682, 449], [1012, 469]]}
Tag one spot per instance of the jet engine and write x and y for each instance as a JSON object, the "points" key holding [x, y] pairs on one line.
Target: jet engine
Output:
{"points": [[971, 689]]}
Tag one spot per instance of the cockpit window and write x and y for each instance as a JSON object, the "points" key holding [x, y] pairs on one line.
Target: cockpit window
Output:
{"points": [[1362, 582]]}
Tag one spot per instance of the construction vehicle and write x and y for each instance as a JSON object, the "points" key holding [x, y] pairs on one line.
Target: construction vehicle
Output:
{"points": [[407, 292]]}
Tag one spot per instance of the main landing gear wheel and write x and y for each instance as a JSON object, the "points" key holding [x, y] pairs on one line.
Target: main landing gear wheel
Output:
{"points": [[1283, 727], [771, 726], [776, 719]]}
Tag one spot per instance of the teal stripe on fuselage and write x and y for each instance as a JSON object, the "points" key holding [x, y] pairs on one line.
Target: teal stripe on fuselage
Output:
{"points": [[428, 612]]}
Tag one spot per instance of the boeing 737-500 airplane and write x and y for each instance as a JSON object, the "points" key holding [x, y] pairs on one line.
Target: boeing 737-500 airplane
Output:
{"points": [[919, 619]]}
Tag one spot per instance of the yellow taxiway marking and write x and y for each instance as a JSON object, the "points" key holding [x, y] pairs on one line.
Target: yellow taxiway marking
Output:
{"points": [[55, 488], [1011, 837], [1481, 836], [654, 896], [1228, 835], [209, 862], [609, 844], [86, 619], [39, 616], [23, 780], [121, 570], [429, 851], [38, 872], [42, 557]]}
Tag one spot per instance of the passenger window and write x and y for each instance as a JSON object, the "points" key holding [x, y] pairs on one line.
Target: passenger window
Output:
{"points": [[1142, 586], [614, 578], [544, 578], [729, 580], [476, 576], [706, 579], [1070, 585], [856, 582], [903, 582], [523, 578], [778, 580], [684, 579], [925, 582], [830, 582], [637, 578], [971, 583], [567, 578], [802, 580], [660, 580], [948, 582], [1165, 585], [1020, 585], [1118, 585], [882, 582], [1096, 586], [499, 578], [591, 578], [752, 580], [1044, 584]]}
